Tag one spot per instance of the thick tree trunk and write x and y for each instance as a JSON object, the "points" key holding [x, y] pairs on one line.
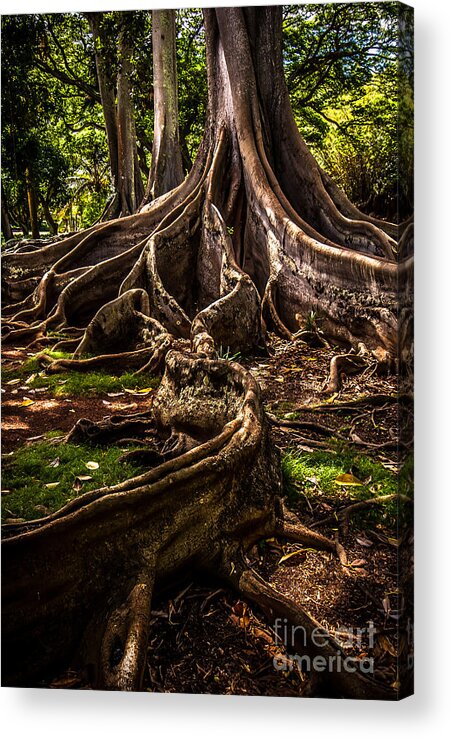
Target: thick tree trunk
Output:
{"points": [[167, 170], [251, 239]]}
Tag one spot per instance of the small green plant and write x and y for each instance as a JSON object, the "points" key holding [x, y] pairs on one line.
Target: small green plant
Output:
{"points": [[226, 354], [311, 321], [41, 478]]}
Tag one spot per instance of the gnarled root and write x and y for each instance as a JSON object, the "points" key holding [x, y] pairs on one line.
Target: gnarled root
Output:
{"points": [[289, 526], [343, 364], [123, 651], [218, 479]]}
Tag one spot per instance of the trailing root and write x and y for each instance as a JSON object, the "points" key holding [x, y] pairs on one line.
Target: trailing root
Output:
{"points": [[123, 651]]}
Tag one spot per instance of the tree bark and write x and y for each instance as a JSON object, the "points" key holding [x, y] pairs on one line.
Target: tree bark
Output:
{"points": [[107, 94], [117, 106], [53, 227], [32, 204], [6, 223], [167, 169], [130, 187]]}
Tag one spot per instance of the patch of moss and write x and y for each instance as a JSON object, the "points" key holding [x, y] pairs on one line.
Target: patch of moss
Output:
{"points": [[313, 474], [73, 383], [28, 470], [283, 409]]}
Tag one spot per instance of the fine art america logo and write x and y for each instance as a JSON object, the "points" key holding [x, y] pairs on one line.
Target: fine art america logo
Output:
{"points": [[333, 660]]}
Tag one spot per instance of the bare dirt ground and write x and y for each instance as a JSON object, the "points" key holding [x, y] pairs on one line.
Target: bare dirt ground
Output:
{"points": [[23, 422], [206, 640]]}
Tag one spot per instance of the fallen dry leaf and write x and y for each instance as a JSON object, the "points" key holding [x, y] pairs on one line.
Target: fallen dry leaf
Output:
{"points": [[26, 402], [348, 480], [289, 555], [358, 562]]}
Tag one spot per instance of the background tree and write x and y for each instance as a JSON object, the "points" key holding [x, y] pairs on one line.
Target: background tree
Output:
{"points": [[340, 62], [167, 170], [114, 37], [47, 125]]}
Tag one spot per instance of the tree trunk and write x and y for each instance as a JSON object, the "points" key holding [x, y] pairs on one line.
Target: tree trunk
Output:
{"points": [[167, 169], [251, 239], [117, 106], [6, 223], [53, 227], [130, 187], [107, 94], [32, 204]]}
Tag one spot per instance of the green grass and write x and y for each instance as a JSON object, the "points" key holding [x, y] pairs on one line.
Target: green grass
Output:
{"points": [[26, 472], [73, 383], [226, 354], [313, 474]]}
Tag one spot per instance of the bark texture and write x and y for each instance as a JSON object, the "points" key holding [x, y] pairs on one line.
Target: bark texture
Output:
{"points": [[254, 238], [167, 169], [117, 107]]}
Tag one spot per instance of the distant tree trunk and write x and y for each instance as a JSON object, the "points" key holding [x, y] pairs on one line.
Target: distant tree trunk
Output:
{"points": [[131, 190], [6, 223], [167, 168], [32, 204], [107, 94], [117, 106], [53, 226]]}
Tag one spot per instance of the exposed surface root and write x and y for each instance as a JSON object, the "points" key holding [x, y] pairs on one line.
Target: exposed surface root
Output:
{"points": [[343, 515], [306, 635], [124, 644], [340, 366]]}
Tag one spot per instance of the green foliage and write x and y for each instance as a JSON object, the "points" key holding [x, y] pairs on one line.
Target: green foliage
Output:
{"points": [[349, 72], [351, 97], [43, 114], [226, 354], [192, 79], [28, 470], [311, 321], [316, 473]]}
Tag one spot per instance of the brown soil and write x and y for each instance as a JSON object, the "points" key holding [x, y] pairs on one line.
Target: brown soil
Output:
{"points": [[296, 374], [21, 424]]}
